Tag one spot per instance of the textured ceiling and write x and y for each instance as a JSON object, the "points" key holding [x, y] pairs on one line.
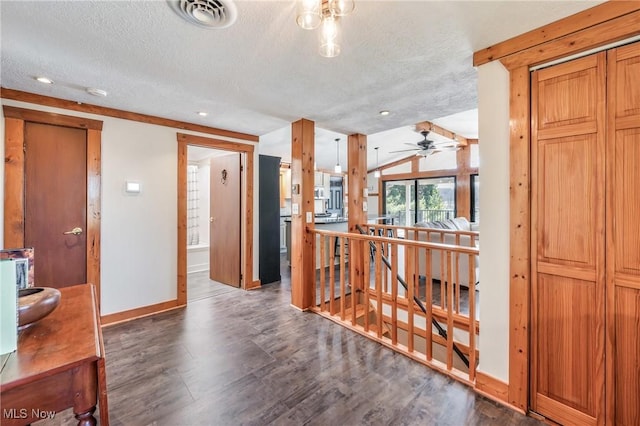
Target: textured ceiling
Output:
{"points": [[413, 58]]}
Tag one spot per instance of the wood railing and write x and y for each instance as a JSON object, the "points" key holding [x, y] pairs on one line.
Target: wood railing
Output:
{"points": [[378, 283]]}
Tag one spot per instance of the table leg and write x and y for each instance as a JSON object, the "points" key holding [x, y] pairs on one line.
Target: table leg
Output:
{"points": [[86, 419], [102, 393], [85, 393]]}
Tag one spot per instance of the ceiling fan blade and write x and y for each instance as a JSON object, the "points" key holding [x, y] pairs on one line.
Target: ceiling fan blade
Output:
{"points": [[448, 148], [405, 150]]}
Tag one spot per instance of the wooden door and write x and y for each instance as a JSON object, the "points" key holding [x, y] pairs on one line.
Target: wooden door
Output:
{"points": [[56, 203], [568, 241], [224, 229], [623, 235]]}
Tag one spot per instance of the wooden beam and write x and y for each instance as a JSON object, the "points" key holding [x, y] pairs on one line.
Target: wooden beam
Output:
{"points": [[357, 183], [18, 95], [579, 21], [427, 125], [463, 183], [302, 184]]}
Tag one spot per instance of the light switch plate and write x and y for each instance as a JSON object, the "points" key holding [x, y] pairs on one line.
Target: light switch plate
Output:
{"points": [[295, 208], [309, 217]]}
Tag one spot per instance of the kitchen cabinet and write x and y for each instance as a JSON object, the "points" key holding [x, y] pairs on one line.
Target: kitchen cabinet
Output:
{"points": [[285, 186]]}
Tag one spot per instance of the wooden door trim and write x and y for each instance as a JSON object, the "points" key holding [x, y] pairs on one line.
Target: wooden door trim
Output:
{"points": [[247, 282], [589, 29], [574, 23], [14, 195], [33, 116]]}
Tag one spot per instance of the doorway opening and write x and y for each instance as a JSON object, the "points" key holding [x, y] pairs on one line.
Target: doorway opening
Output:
{"points": [[218, 224]]}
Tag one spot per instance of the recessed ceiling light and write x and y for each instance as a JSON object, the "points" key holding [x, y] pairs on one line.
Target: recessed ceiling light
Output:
{"points": [[44, 80], [96, 92], [384, 112], [203, 114]]}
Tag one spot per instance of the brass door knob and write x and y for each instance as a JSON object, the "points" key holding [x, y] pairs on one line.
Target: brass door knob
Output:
{"points": [[74, 231]]}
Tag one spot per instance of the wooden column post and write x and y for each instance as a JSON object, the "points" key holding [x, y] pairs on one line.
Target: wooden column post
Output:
{"points": [[463, 182], [302, 208], [357, 169]]}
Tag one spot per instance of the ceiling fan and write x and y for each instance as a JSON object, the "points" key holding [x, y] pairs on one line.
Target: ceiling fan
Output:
{"points": [[427, 147]]}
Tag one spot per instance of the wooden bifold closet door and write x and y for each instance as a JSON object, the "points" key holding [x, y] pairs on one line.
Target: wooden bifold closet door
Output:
{"points": [[585, 347]]}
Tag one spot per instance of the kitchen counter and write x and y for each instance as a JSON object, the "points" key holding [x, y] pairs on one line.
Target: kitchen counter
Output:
{"points": [[321, 220], [336, 224]]}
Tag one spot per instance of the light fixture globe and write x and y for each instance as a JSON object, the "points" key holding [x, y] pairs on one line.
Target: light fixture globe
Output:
{"points": [[341, 7], [309, 14], [330, 49]]}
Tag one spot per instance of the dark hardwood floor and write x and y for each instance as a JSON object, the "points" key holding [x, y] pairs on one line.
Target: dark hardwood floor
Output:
{"points": [[237, 357]]}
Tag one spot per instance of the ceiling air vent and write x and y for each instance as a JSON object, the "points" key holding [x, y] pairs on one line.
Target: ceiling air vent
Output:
{"points": [[206, 13]]}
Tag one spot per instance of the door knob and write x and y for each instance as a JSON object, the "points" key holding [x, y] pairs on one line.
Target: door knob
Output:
{"points": [[74, 231]]}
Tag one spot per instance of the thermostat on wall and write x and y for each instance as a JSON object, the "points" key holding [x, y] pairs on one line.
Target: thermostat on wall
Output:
{"points": [[132, 187]]}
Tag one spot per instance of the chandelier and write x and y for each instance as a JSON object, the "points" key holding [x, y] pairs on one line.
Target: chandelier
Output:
{"points": [[314, 13]]}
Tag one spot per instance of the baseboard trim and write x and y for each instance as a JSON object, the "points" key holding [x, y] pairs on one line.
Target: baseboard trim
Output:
{"points": [[145, 311], [254, 285], [494, 389]]}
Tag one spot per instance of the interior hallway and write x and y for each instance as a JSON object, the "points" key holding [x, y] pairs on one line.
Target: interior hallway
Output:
{"points": [[247, 357]]}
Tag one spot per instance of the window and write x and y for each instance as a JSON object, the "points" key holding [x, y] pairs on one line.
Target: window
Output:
{"points": [[420, 200], [193, 234], [475, 198]]}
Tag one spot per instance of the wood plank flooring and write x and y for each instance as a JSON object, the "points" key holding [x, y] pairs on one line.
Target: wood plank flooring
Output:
{"points": [[235, 357]]}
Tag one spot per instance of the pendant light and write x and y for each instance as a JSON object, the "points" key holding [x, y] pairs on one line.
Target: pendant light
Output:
{"points": [[376, 174], [337, 168]]}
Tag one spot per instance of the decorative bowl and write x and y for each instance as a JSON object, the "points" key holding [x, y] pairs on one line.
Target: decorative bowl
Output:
{"points": [[35, 303]]}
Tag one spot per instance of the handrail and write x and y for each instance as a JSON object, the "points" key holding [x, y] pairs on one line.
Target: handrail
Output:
{"points": [[407, 242], [436, 324]]}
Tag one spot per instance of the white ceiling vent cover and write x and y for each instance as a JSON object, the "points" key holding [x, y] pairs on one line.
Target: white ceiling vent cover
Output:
{"points": [[206, 13]]}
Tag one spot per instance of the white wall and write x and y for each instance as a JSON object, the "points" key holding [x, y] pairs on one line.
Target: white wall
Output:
{"points": [[493, 117], [139, 237], [2, 179], [204, 182]]}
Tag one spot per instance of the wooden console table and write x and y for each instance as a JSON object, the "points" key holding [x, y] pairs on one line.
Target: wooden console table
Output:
{"points": [[59, 364]]}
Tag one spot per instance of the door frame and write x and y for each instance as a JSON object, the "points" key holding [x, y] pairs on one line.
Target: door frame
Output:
{"points": [[593, 28], [14, 188], [246, 249]]}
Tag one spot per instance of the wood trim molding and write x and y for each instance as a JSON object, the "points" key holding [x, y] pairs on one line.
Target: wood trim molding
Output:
{"points": [[94, 216], [34, 116], [247, 250], [18, 95], [13, 183], [520, 239], [15, 119], [181, 290], [145, 311], [493, 388], [427, 125], [590, 38], [426, 175], [579, 21], [216, 143]]}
